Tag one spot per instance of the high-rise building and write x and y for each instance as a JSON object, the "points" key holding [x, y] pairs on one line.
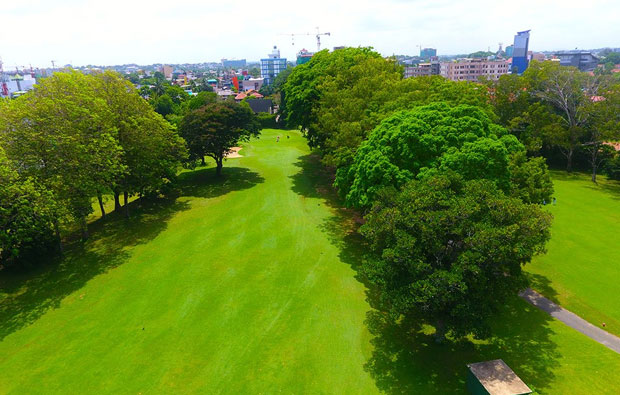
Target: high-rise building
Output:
{"points": [[519, 52], [272, 66], [426, 53], [509, 51]]}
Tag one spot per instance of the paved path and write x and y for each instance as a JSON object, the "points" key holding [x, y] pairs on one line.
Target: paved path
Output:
{"points": [[571, 319]]}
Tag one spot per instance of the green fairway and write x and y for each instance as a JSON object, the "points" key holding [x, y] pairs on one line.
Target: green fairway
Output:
{"points": [[248, 284], [582, 266]]}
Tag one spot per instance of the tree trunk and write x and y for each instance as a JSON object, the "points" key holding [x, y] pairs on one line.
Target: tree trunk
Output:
{"points": [[100, 199], [440, 331], [202, 161], [126, 201], [57, 231], [593, 162], [569, 160], [117, 201], [219, 163], [85, 234]]}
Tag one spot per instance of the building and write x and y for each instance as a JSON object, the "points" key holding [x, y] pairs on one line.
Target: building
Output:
{"points": [[272, 66], [473, 69], [426, 53], [583, 60], [509, 50], [15, 85], [432, 68], [233, 64], [252, 84], [167, 71], [304, 56], [261, 105], [519, 53]]}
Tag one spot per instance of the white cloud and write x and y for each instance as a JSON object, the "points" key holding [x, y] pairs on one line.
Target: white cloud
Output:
{"points": [[148, 31]]}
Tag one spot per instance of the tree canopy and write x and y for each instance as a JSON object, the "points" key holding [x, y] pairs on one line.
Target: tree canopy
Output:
{"points": [[419, 142], [215, 128], [78, 137], [448, 252]]}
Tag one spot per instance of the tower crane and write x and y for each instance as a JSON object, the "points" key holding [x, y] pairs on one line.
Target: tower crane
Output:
{"points": [[317, 35]]}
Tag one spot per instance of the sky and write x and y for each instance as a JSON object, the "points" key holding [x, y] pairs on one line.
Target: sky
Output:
{"points": [[109, 32]]}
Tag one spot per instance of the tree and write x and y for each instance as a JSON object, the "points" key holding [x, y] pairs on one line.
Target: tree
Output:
{"points": [[303, 92], [603, 127], [214, 129], [422, 141], [62, 135], [151, 149], [568, 91], [164, 105], [448, 252], [27, 212]]}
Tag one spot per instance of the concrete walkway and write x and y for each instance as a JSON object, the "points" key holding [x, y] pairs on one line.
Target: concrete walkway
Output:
{"points": [[573, 320]]}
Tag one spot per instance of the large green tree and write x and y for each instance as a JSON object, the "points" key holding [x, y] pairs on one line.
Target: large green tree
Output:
{"points": [[63, 135], [448, 252], [567, 92], [427, 139], [151, 149], [214, 129]]}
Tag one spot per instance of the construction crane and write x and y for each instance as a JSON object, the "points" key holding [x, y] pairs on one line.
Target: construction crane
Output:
{"points": [[317, 35]]}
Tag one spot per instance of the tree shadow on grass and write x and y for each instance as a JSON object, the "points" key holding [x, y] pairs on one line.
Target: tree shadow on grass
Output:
{"points": [[405, 357], [25, 297], [206, 183]]}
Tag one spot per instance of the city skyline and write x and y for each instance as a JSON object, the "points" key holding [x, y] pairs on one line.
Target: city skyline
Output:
{"points": [[141, 32]]}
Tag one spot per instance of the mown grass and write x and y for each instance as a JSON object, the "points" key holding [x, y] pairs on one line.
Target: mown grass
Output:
{"points": [[248, 284], [582, 264]]}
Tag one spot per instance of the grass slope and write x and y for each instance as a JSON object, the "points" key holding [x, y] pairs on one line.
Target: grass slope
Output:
{"points": [[582, 266], [247, 284]]}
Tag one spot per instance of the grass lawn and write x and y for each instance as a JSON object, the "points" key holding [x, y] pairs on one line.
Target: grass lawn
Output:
{"points": [[248, 284], [581, 269]]}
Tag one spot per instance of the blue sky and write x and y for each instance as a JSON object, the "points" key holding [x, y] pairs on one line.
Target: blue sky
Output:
{"points": [[155, 31]]}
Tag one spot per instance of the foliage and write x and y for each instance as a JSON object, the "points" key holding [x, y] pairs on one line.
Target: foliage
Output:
{"points": [[267, 121], [530, 180], [79, 137], [214, 129], [612, 167], [418, 142], [64, 136], [151, 149], [567, 92], [449, 252], [27, 213]]}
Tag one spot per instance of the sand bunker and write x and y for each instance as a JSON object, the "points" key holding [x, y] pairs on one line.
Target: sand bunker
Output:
{"points": [[234, 153]]}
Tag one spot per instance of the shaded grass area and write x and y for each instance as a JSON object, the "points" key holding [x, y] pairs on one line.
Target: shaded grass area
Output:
{"points": [[582, 263], [27, 296]]}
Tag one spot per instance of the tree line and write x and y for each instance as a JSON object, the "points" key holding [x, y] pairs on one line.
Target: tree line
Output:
{"points": [[450, 176], [77, 138]]}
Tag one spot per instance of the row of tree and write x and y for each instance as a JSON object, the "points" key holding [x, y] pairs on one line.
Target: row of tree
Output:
{"points": [[78, 138], [73, 139], [451, 198]]}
